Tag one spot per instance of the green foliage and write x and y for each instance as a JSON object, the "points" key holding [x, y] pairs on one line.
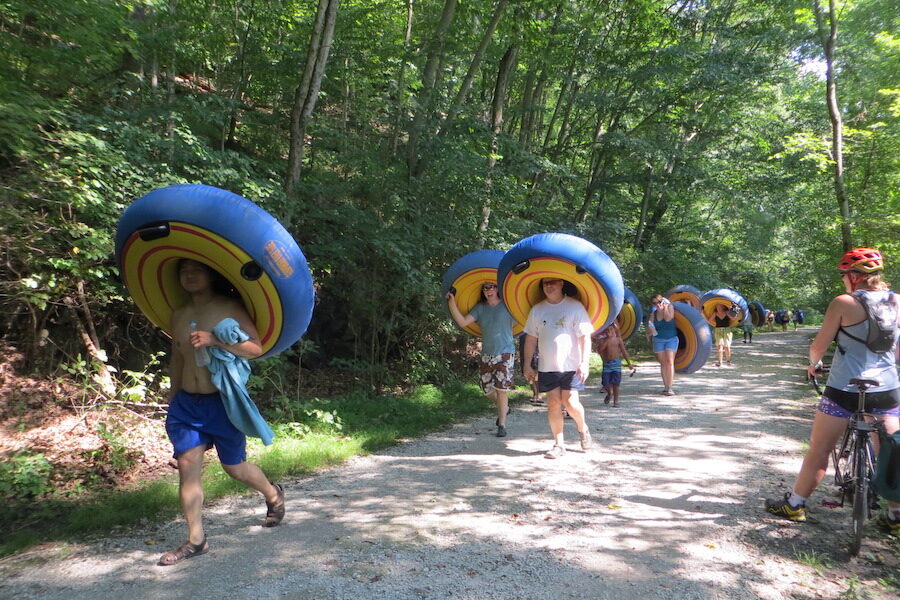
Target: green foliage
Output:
{"points": [[25, 476], [689, 141], [114, 455]]}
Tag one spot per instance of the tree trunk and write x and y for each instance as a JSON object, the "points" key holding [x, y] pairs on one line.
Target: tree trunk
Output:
{"points": [[308, 91], [827, 29], [645, 206], [501, 87], [103, 377], [429, 78], [237, 93], [463, 92], [401, 80]]}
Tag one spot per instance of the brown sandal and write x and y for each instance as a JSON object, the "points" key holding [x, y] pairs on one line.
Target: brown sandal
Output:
{"points": [[183, 552], [275, 510]]}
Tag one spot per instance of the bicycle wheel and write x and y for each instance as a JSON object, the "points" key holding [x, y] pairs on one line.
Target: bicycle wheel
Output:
{"points": [[860, 495]]}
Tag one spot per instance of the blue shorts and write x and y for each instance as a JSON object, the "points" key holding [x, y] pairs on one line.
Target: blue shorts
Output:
{"points": [[665, 344], [611, 377], [200, 420], [564, 380]]}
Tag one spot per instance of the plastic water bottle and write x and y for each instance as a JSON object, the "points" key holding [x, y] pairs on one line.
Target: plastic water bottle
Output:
{"points": [[201, 354]]}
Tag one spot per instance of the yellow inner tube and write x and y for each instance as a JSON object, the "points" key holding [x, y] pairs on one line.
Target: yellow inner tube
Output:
{"points": [[523, 290], [468, 294], [687, 297], [709, 307], [686, 350], [150, 274], [627, 320]]}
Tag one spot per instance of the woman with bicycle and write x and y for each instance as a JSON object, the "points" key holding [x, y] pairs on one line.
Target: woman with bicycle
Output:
{"points": [[846, 323]]}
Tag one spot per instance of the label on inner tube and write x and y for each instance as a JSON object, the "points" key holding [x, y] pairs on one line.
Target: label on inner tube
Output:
{"points": [[276, 259]]}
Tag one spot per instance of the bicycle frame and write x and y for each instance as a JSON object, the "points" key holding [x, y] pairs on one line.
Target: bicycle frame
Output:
{"points": [[854, 463]]}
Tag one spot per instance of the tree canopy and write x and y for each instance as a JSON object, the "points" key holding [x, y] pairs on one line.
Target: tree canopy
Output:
{"points": [[690, 140]]}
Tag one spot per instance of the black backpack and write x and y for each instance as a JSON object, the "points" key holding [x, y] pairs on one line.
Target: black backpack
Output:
{"points": [[887, 468], [882, 318]]}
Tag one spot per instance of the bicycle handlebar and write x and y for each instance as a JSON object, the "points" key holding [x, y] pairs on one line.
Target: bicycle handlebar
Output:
{"points": [[815, 380]]}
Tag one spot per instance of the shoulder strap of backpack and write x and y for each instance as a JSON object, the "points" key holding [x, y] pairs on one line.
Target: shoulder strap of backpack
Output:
{"points": [[856, 296]]}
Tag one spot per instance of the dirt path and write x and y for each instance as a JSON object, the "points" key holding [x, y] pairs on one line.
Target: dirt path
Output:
{"points": [[667, 506]]}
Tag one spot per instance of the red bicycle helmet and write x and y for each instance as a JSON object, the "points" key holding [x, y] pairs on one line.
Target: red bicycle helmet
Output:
{"points": [[866, 260]]}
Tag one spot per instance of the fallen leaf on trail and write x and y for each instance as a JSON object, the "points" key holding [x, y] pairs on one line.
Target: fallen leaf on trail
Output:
{"points": [[830, 503], [710, 545], [151, 542], [613, 506]]}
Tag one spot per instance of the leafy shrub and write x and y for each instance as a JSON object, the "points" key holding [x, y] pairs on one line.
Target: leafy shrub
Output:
{"points": [[25, 476]]}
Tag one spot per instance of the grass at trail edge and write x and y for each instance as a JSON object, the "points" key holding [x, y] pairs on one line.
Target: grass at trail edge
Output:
{"points": [[320, 433]]}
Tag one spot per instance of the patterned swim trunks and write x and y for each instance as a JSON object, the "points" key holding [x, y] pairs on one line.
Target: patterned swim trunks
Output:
{"points": [[496, 372]]}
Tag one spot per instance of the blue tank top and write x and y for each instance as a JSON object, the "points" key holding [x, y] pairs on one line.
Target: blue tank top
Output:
{"points": [[854, 360], [664, 329]]}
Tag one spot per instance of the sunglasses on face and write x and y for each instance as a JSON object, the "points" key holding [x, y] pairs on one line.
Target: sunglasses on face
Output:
{"points": [[489, 286]]}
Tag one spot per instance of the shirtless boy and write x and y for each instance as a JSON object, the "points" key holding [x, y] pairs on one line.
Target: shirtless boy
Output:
{"points": [[612, 351], [196, 419]]}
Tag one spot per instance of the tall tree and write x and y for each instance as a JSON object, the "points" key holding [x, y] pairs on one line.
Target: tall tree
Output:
{"points": [[308, 91], [827, 30]]}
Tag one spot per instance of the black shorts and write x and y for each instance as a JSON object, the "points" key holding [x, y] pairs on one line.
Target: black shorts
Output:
{"points": [[849, 401], [564, 380]]}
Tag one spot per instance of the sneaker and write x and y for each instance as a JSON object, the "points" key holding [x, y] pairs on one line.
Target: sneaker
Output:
{"points": [[586, 442], [783, 508], [555, 452], [501, 431], [892, 525], [669, 393]]}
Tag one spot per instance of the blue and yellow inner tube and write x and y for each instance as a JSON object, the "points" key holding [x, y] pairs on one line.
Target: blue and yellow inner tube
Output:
{"points": [[228, 233], [684, 293], [725, 297], [631, 315], [466, 276], [694, 339], [757, 313], [594, 278]]}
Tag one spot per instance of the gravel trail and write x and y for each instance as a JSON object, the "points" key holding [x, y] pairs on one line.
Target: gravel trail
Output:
{"points": [[668, 505]]}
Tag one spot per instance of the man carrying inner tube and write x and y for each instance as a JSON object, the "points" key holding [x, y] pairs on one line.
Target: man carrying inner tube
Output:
{"points": [[560, 329], [498, 351], [197, 418]]}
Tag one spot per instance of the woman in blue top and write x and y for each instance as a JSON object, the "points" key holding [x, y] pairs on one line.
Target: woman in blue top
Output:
{"points": [[498, 352], [845, 320], [664, 336]]}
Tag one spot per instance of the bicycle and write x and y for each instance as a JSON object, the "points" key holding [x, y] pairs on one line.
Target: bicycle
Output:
{"points": [[854, 463]]}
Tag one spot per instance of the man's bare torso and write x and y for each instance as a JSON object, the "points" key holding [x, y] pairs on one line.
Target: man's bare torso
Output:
{"points": [[195, 379]]}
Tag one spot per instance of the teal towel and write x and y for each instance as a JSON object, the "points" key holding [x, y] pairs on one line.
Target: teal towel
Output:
{"points": [[229, 375]]}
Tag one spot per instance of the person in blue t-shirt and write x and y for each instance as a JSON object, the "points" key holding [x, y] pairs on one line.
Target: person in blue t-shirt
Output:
{"points": [[498, 352]]}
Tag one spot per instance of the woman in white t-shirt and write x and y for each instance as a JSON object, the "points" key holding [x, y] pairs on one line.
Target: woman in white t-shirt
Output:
{"points": [[560, 329]]}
